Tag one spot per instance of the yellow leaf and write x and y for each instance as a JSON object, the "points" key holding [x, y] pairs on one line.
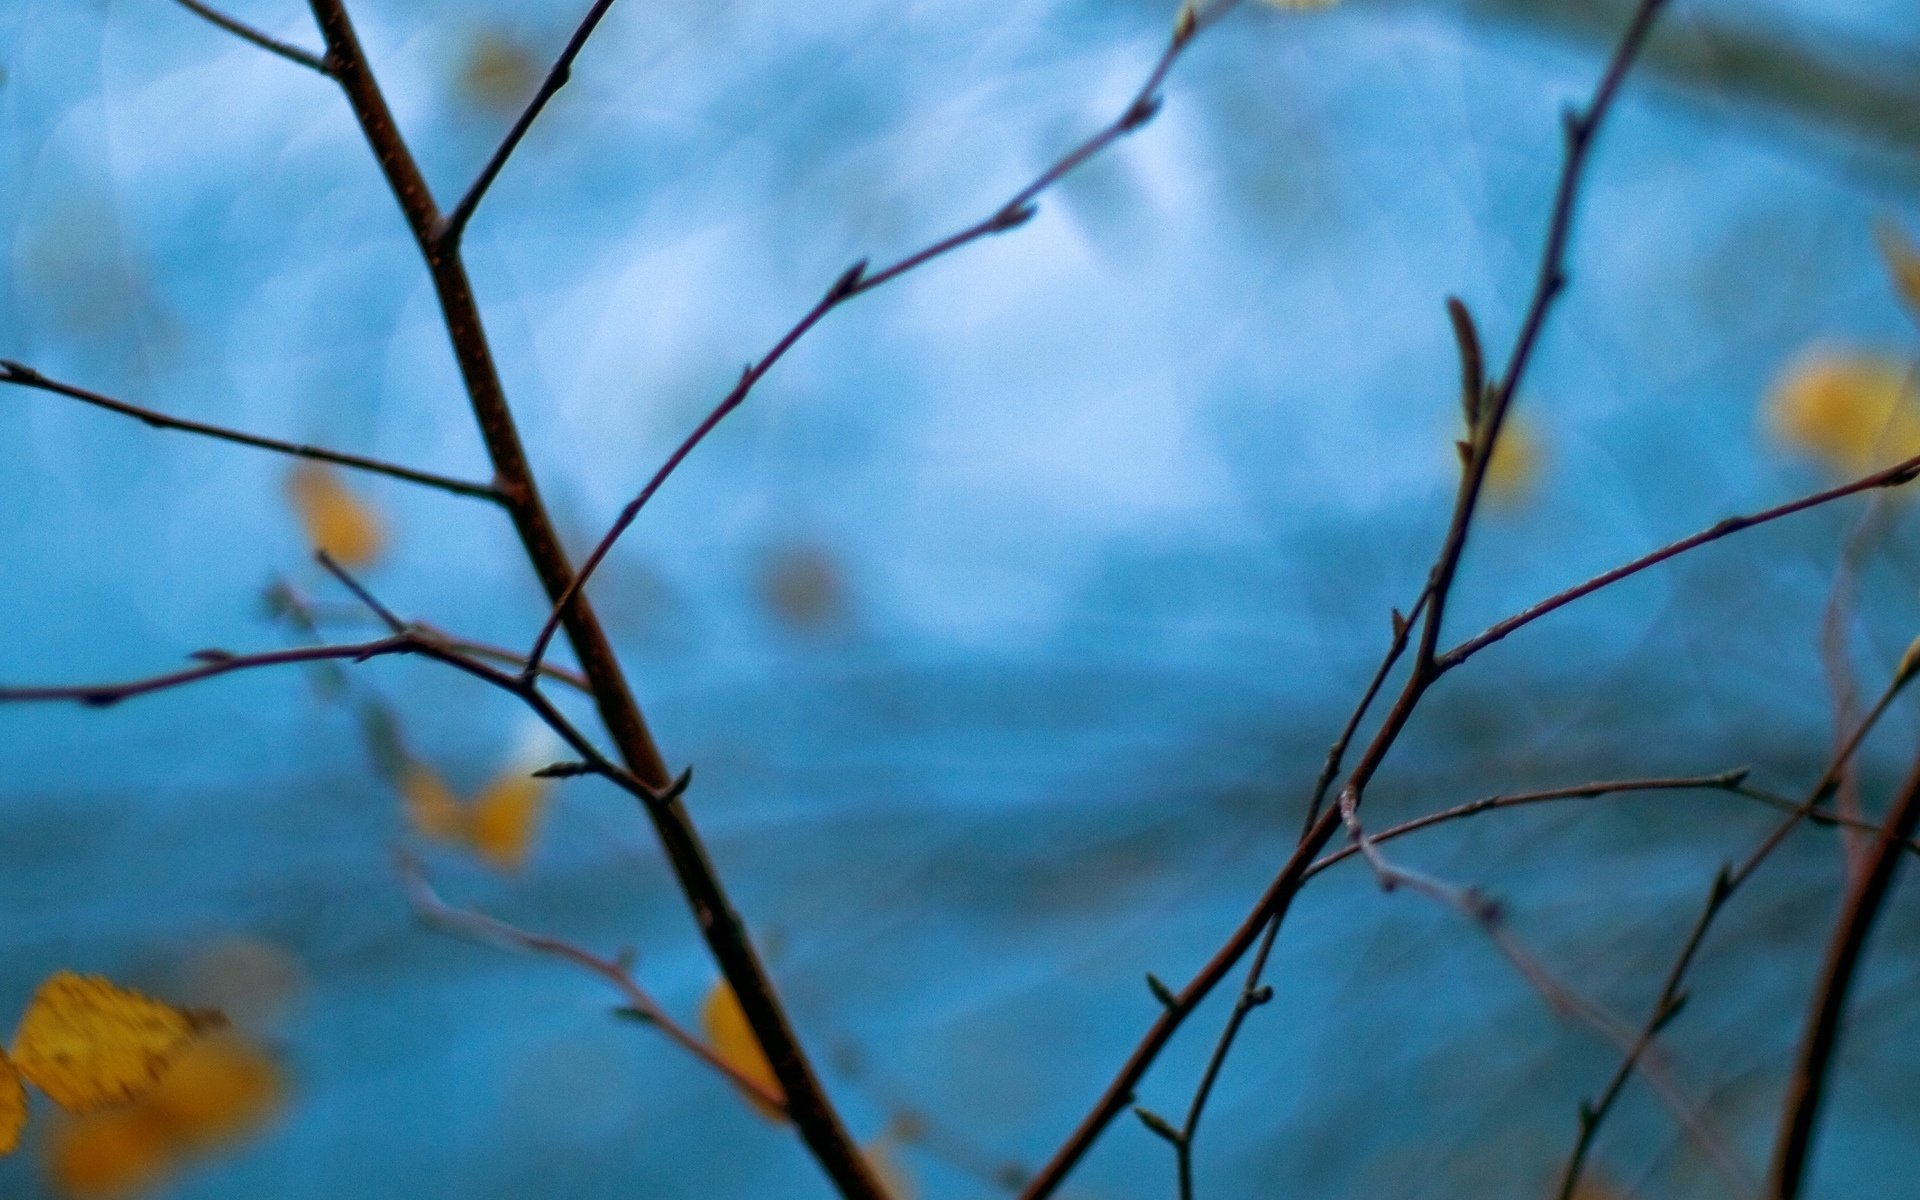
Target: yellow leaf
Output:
{"points": [[1846, 408], [88, 1043], [498, 73], [433, 809], [222, 1088], [1515, 466], [1902, 258], [732, 1041], [802, 585], [13, 1107], [335, 519], [109, 1155], [504, 818]]}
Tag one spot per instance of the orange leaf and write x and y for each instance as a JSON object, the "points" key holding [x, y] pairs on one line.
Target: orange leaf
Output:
{"points": [[88, 1043], [221, 1089], [431, 805], [504, 818], [13, 1107], [335, 519], [1846, 408], [732, 1041], [108, 1155]]}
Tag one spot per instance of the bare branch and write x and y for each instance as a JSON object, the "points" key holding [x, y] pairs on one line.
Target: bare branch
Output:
{"points": [[479, 927], [25, 376], [857, 280], [247, 33], [450, 230]]}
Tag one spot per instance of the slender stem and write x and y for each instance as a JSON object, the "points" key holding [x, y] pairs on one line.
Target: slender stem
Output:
{"points": [[720, 925], [858, 280], [245, 32], [1866, 897], [450, 230], [1898, 474], [24, 376], [1273, 904]]}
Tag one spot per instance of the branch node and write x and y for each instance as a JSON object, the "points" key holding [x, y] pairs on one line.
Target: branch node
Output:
{"points": [[1011, 217], [564, 770], [1162, 992], [1143, 110], [1160, 1126]]}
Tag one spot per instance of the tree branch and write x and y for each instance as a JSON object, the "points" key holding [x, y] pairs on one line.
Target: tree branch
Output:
{"points": [[450, 230], [24, 376], [248, 33], [720, 925]]}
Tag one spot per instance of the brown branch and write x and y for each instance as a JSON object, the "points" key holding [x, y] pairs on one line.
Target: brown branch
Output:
{"points": [[1865, 898], [857, 280], [479, 927], [1726, 882], [1580, 130], [248, 33], [24, 376], [1898, 474], [814, 1116], [450, 230]]}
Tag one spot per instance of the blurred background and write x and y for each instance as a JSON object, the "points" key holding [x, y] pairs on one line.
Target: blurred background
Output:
{"points": [[1008, 622]]}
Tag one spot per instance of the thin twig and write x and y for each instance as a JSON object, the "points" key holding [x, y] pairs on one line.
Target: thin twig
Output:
{"points": [[450, 230], [25, 376], [857, 280], [245, 32], [1865, 898], [719, 924], [1726, 881], [382, 612], [479, 927], [1581, 128]]}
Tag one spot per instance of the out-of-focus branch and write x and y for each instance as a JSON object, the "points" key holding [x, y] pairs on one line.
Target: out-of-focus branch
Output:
{"points": [[1865, 898], [479, 927], [450, 230], [24, 376], [857, 280], [247, 33]]}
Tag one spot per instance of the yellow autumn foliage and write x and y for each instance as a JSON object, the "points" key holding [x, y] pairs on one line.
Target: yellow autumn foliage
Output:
{"points": [[498, 825], [732, 1041], [1516, 463], [335, 520], [109, 1155], [89, 1043], [1848, 409], [13, 1106]]}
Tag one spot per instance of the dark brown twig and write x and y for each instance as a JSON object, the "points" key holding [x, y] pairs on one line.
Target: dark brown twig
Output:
{"points": [[25, 376], [449, 232], [814, 1115], [1580, 128], [1866, 896], [479, 927], [857, 280], [247, 33]]}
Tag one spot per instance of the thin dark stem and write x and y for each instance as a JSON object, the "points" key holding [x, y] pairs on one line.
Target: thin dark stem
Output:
{"points": [[857, 280], [450, 230], [1866, 897], [385, 615], [720, 925], [479, 927], [1273, 904], [245, 32], [1898, 474], [25, 376], [1726, 881]]}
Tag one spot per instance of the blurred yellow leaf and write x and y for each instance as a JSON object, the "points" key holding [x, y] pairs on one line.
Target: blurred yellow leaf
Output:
{"points": [[504, 817], [1902, 258], [498, 825], [335, 519], [497, 73], [1515, 466], [1847, 408], [433, 809], [732, 1042], [108, 1155], [88, 1043], [13, 1106], [221, 1089], [801, 584]]}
